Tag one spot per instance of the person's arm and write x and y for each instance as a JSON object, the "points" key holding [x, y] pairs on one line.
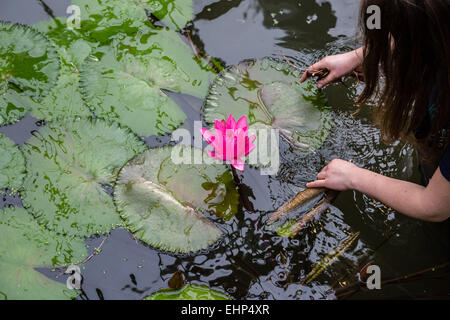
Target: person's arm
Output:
{"points": [[338, 65], [431, 203]]}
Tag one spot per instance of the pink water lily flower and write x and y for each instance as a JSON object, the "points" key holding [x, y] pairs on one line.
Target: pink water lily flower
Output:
{"points": [[231, 142]]}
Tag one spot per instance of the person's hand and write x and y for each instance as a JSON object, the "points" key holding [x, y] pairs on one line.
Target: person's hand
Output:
{"points": [[338, 66], [338, 175]]}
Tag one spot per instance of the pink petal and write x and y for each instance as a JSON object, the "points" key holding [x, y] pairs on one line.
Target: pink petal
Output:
{"points": [[231, 123], [238, 164], [242, 123], [241, 143], [207, 135], [220, 125]]}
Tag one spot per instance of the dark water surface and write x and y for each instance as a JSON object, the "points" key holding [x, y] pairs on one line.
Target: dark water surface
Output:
{"points": [[250, 261]]}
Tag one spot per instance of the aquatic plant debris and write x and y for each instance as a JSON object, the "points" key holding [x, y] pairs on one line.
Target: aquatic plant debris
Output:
{"points": [[300, 198], [69, 163], [188, 292], [162, 202], [320, 208], [29, 67], [25, 246], [330, 258], [231, 141], [269, 93], [125, 84], [12, 164]]}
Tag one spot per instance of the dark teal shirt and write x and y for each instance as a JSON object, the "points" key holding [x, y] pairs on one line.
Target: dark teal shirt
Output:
{"points": [[444, 165]]}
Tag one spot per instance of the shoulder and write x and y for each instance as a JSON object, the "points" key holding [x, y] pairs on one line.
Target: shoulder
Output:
{"points": [[444, 165]]}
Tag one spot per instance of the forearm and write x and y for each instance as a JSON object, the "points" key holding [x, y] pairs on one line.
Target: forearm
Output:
{"points": [[405, 197]]}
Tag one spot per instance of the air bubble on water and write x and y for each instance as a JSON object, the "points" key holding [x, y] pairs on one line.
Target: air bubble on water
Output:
{"points": [[311, 18]]}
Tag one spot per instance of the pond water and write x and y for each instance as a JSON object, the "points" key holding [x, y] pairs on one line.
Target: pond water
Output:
{"points": [[250, 261]]}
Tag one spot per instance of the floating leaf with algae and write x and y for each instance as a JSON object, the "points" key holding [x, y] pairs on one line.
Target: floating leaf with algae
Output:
{"points": [[69, 163], [12, 164], [26, 245], [188, 292], [173, 13], [29, 67], [271, 95], [161, 201], [125, 84]]}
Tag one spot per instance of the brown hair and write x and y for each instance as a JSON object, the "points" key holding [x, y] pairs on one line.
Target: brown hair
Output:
{"points": [[411, 50]]}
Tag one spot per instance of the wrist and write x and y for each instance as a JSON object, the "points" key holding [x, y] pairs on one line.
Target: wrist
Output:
{"points": [[357, 178], [357, 57]]}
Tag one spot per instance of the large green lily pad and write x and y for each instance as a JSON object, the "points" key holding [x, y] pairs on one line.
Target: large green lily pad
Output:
{"points": [[29, 67], [160, 201], [12, 164], [124, 84], [188, 292], [68, 164], [270, 94], [64, 100], [173, 13], [25, 246]]}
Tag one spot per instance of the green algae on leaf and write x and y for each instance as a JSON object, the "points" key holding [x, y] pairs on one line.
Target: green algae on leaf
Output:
{"points": [[161, 202], [73, 45], [64, 100], [270, 94], [124, 84], [173, 13], [12, 164], [29, 67], [69, 163], [188, 292], [26, 245]]}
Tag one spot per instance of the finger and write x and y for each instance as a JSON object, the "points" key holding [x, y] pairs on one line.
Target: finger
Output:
{"points": [[304, 77], [328, 79], [321, 176], [319, 65], [316, 184]]}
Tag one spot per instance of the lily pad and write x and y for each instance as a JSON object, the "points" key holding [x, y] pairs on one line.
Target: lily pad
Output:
{"points": [[211, 187], [25, 246], [188, 292], [12, 164], [151, 196], [173, 13], [270, 94], [64, 100], [125, 84], [69, 164], [29, 67]]}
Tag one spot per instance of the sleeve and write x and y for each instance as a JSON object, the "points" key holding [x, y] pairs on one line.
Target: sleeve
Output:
{"points": [[444, 165]]}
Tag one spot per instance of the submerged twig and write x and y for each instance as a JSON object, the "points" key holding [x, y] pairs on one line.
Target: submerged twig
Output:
{"points": [[301, 198], [320, 208], [192, 43], [330, 258], [357, 286], [198, 55]]}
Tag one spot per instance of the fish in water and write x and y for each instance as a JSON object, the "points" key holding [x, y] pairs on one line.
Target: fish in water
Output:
{"points": [[301, 198]]}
